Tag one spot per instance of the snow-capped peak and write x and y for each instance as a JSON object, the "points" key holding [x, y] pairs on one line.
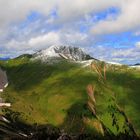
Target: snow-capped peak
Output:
{"points": [[65, 52], [49, 52]]}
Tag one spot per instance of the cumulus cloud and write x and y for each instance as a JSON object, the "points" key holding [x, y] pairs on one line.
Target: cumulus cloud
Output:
{"points": [[45, 40], [16, 10], [13, 13], [34, 43], [128, 19], [67, 11]]}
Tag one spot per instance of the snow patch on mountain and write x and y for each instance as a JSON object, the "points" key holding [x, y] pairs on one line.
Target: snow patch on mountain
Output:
{"points": [[62, 52], [86, 63]]}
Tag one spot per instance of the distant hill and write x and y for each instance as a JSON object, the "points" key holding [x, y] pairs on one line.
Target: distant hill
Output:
{"points": [[137, 64], [5, 58], [24, 56]]}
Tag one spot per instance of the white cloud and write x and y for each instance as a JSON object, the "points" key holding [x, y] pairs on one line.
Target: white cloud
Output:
{"points": [[123, 55], [34, 43], [44, 40], [74, 38], [128, 19], [12, 11], [13, 44], [65, 27], [68, 10], [16, 10], [137, 44]]}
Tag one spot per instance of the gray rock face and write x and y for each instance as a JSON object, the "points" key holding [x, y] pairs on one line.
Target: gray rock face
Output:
{"points": [[65, 52], [71, 53]]}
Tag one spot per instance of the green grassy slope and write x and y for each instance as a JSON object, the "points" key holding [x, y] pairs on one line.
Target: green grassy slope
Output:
{"points": [[56, 94]]}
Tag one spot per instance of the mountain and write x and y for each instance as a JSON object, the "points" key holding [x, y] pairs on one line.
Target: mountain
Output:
{"points": [[56, 53], [137, 64], [24, 56], [59, 95], [61, 52]]}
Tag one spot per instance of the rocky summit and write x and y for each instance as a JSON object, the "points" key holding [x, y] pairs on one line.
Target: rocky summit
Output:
{"points": [[62, 52]]}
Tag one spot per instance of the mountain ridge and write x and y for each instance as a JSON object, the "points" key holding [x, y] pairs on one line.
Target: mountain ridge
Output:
{"points": [[62, 52]]}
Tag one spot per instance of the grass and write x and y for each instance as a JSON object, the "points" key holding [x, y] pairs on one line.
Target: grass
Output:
{"points": [[56, 94], [126, 87]]}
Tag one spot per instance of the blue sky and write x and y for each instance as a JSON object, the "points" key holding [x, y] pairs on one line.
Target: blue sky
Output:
{"points": [[107, 29]]}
